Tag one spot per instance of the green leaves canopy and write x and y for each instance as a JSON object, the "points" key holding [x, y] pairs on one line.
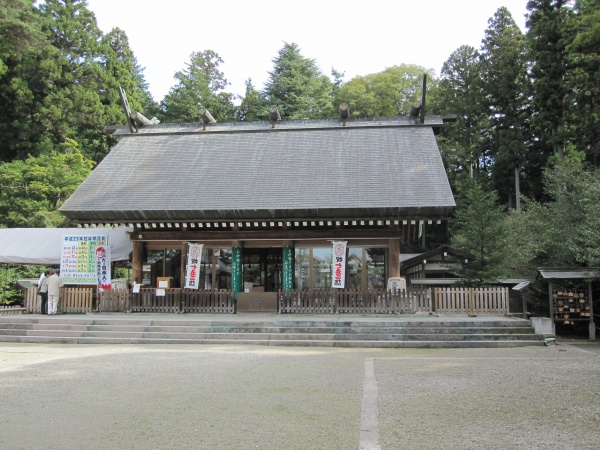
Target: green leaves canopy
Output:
{"points": [[32, 190]]}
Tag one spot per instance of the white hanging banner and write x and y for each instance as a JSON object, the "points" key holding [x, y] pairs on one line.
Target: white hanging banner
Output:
{"points": [[103, 267], [338, 280], [192, 272]]}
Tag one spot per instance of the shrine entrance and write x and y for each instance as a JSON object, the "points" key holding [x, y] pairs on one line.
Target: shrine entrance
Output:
{"points": [[262, 269]]}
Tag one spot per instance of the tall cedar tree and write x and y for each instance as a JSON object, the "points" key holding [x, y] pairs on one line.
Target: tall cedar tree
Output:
{"points": [[22, 78], [73, 106], [550, 25], [584, 59], [504, 66], [201, 82], [297, 86], [120, 68], [463, 143]]}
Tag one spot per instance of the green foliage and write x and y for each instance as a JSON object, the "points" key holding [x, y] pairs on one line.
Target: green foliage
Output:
{"points": [[253, 105], [584, 60], [58, 79], [562, 232], [297, 86], [550, 25], [9, 275], [479, 230], [463, 143], [201, 82], [387, 93], [32, 190], [506, 87]]}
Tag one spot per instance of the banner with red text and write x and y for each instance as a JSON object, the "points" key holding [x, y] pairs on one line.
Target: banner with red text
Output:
{"points": [[338, 280], [103, 267], [192, 272]]}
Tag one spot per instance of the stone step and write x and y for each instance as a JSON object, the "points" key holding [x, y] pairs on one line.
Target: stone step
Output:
{"points": [[285, 336], [364, 332], [271, 342], [399, 329]]}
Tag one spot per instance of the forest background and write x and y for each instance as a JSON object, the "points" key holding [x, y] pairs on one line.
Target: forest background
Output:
{"points": [[522, 157]]}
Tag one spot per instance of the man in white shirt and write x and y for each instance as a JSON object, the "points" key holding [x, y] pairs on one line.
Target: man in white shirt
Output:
{"points": [[54, 290]]}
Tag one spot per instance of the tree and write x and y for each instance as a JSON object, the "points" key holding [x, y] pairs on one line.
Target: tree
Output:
{"points": [[562, 232], [297, 86], [201, 82], [19, 30], [479, 230], [22, 77], [584, 60], [463, 143], [120, 69], [253, 105], [72, 105], [32, 190], [388, 93], [550, 24], [504, 68]]}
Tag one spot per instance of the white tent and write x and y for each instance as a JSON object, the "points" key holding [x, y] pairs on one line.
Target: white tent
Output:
{"points": [[44, 245]]}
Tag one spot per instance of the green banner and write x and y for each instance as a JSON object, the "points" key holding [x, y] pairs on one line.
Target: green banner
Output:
{"points": [[288, 268], [236, 269]]}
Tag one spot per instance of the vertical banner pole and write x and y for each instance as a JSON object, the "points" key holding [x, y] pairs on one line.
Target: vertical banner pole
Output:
{"points": [[192, 270], [288, 268], [338, 261], [236, 269]]}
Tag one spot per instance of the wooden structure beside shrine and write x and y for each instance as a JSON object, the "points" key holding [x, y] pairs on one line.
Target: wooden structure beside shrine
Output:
{"points": [[266, 199], [570, 298]]}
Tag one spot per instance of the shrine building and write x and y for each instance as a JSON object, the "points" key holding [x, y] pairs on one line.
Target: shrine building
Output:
{"points": [[266, 199]]}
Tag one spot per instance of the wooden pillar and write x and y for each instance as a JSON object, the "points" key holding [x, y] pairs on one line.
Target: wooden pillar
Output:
{"points": [[550, 302], [288, 266], [137, 259], [394, 258], [184, 246], [236, 267], [592, 323]]}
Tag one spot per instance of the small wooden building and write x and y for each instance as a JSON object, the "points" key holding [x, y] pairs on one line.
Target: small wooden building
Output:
{"points": [[266, 199]]}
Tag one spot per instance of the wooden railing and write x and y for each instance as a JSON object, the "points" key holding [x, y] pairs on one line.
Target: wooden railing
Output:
{"points": [[115, 300], [31, 300], [472, 301], [10, 309], [76, 300], [72, 300], [174, 301], [341, 301]]}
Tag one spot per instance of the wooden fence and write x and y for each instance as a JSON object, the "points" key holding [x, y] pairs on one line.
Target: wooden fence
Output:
{"points": [[472, 301], [174, 301], [10, 309], [76, 300], [31, 300], [72, 300], [340, 301]]}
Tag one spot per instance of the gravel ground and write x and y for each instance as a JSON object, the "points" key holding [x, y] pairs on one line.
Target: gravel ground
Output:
{"points": [[248, 397]]}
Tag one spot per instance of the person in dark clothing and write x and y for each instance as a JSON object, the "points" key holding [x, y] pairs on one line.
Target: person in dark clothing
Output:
{"points": [[44, 292]]}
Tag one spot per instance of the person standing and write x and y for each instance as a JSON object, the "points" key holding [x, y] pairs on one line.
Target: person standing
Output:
{"points": [[54, 291], [43, 290]]}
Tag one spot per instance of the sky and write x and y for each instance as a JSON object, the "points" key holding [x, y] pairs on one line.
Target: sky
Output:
{"points": [[354, 37]]}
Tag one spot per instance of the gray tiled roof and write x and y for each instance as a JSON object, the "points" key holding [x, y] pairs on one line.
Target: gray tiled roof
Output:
{"points": [[387, 169]]}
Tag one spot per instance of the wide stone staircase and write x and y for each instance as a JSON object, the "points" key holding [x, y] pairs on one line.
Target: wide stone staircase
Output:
{"points": [[283, 330]]}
